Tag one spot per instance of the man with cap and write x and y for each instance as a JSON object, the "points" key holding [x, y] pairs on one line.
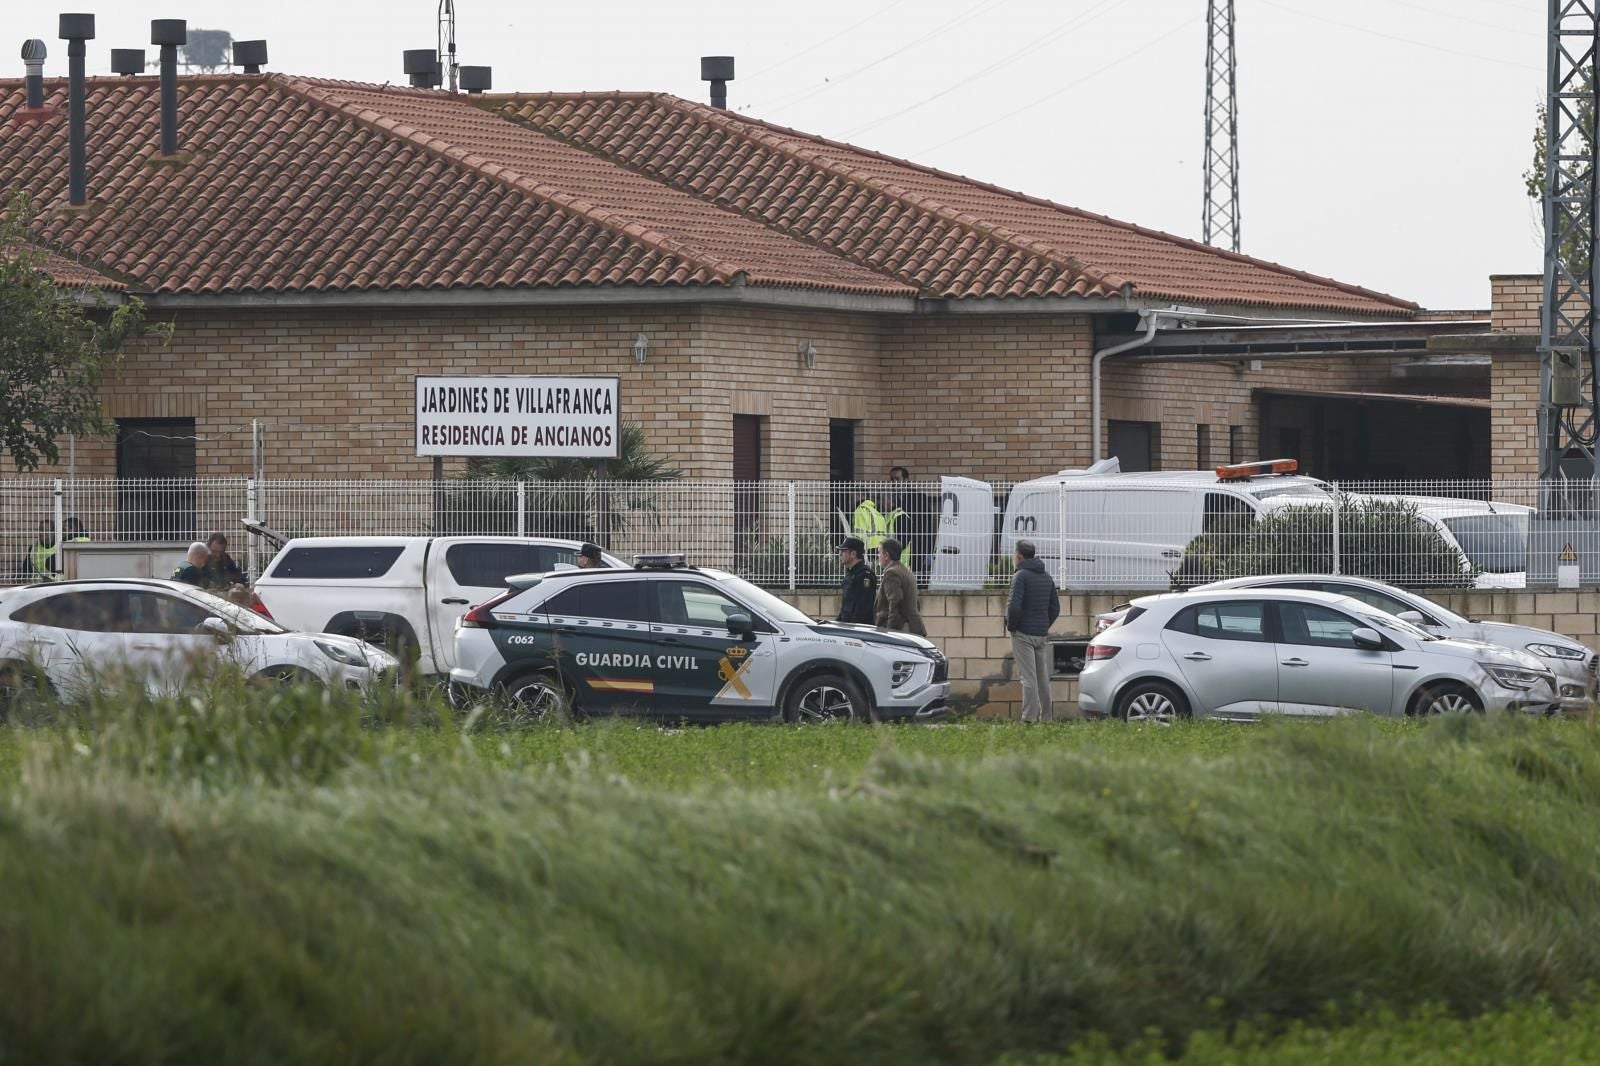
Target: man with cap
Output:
{"points": [[859, 591], [589, 558]]}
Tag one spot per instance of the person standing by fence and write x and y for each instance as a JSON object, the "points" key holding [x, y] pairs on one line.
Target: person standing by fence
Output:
{"points": [[857, 591], [1031, 611], [896, 606]]}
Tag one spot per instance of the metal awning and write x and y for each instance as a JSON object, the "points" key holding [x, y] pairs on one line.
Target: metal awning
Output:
{"points": [[1178, 344], [1467, 402]]}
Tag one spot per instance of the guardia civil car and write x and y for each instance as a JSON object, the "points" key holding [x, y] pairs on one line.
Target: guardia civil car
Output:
{"points": [[667, 640]]}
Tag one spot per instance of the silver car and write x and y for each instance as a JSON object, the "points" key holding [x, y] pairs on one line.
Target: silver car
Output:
{"points": [[1573, 664], [1243, 653]]}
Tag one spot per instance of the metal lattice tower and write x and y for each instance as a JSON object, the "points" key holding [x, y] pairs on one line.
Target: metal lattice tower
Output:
{"points": [[1220, 222], [1567, 424], [449, 68]]}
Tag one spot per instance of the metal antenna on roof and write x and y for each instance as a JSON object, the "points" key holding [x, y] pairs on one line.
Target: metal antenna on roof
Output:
{"points": [[1219, 223], [447, 42]]}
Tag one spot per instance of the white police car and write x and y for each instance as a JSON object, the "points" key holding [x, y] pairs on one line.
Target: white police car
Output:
{"points": [[677, 642]]}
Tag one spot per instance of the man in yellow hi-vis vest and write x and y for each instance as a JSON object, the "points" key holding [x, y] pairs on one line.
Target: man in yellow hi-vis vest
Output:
{"points": [[870, 524]]}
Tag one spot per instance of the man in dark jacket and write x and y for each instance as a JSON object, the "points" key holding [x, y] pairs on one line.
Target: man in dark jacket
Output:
{"points": [[221, 572], [193, 570], [1031, 612], [859, 590]]}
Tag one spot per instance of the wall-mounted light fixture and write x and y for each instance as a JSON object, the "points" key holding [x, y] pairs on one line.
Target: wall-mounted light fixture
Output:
{"points": [[641, 348], [808, 354]]}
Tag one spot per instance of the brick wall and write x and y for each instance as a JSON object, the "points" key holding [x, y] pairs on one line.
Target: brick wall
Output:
{"points": [[1515, 378], [1515, 301]]}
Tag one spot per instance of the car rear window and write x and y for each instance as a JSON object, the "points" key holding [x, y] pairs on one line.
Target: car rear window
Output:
{"points": [[340, 562], [619, 600], [488, 565]]}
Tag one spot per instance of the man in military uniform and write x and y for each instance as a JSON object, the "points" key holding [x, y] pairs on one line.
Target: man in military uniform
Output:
{"points": [[859, 590]]}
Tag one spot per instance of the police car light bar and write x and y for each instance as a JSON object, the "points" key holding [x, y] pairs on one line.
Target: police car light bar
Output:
{"points": [[1245, 471], [659, 561]]}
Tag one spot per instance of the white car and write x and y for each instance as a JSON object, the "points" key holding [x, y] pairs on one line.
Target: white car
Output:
{"points": [[1575, 666], [402, 594], [1241, 653], [670, 641], [76, 634]]}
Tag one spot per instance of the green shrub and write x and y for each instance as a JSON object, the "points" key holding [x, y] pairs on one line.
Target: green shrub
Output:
{"points": [[1388, 540]]}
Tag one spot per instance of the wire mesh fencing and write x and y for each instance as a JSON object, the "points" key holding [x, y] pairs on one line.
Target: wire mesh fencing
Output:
{"points": [[1126, 533]]}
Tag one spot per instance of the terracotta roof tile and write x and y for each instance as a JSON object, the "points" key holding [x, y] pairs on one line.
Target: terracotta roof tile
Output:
{"points": [[298, 185], [69, 273], [948, 234]]}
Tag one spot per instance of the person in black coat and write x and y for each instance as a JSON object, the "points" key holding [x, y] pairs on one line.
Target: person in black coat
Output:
{"points": [[858, 593], [221, 573]]}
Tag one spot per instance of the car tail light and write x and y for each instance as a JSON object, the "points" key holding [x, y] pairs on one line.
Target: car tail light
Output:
{"points": [[258, 607], [1101, 651], [1102, 624], [479, 617]]}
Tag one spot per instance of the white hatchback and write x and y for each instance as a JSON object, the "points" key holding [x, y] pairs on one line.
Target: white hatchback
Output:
{"points": [[74, 635]]}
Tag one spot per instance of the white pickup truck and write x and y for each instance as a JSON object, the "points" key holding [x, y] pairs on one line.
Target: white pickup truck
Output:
{"points": [[402, 594]]}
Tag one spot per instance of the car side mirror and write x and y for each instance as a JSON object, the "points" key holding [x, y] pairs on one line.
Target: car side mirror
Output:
{"points": [[1367, 639], [741, 626], [1416, 618], [217, 628]]}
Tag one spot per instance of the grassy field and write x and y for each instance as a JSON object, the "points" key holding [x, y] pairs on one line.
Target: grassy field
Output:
{"points": [[267, 878]]}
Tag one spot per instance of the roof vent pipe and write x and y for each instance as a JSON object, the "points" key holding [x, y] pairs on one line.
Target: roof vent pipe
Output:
{"points": [[422, 66], [477, 79], [129, 61], [718, 70], [75, 30], [169, 34], [33, 56], [251, 55]]}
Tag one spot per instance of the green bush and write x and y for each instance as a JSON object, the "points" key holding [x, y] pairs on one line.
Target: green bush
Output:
{"points": [[1388, 540]]}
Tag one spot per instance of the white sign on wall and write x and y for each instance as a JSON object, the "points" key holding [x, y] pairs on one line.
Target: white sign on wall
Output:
{"points": [[518, 417]]}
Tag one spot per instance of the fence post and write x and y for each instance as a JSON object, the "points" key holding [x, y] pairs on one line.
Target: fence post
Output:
{"points": [[250, 559], [1338, 504], [56, 562], [522, 508], [793, 545], [1061, 534]]}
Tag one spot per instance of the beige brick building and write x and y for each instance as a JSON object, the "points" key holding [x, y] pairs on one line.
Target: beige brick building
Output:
{"points": [[318, 245]]}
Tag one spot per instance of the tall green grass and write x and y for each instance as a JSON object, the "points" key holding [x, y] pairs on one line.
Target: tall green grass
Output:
{"points": [[286, 876]]}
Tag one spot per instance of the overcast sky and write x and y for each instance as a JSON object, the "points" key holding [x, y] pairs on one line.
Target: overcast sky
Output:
{"points": [[1382, 142]]}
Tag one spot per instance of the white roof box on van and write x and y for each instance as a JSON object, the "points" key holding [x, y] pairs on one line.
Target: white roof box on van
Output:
{"points": [[1112, 465]]}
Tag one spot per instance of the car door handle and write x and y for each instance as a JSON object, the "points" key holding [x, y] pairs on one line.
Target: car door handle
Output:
{"points": [[148, 647], [38, 640], [454, 600], [1295, 662], [669, 640], [1198, 657]]}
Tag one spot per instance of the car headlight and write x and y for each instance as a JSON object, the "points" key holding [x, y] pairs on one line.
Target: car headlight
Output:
{"points": [[902, 674], [1558, 651], [342, 655], [1511, 677]]}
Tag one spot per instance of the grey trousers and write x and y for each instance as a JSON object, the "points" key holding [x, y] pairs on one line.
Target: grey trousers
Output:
{"points": [[1035, 663]]}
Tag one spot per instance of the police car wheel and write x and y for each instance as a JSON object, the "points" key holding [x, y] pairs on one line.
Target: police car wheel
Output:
{"points": [[17, 682], [536, 698], [826, 698]]}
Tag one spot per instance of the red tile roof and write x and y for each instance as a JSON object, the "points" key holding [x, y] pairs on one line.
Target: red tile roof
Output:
{"points": [[952, 234], [68, 273], [298, 185]]}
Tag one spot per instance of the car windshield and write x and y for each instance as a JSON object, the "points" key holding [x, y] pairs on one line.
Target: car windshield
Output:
{"points": [[1395, 625], [1299, 488], [1494, 543], [240, 618], [765, 602]]}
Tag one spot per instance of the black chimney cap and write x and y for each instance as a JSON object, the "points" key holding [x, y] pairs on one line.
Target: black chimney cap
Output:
{"points": [[249, 53], [127, 61], [169, 31], [76, 27], [34, 51], [477, 79], [716, 68], [421, 61]]}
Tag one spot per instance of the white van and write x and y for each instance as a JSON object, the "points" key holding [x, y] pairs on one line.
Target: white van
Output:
{"points": [[1110, 530], [1104, 529]]}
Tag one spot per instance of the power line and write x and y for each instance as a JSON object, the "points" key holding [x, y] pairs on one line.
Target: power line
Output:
{"points": [[826, 40], [1039, 100], [828, 83], [1079, 20], [1500, 26], [1402, 40]]}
